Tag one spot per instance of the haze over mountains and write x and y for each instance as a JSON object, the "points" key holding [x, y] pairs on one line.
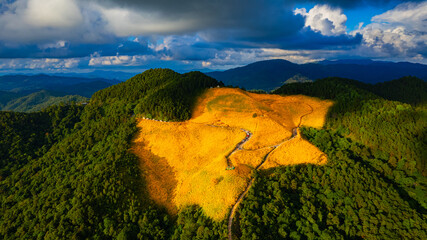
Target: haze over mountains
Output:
{"points": [[271, 74], [26, 93]]}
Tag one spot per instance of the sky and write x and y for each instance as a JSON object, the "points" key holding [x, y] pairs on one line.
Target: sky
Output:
{"points": [[134, 35]]}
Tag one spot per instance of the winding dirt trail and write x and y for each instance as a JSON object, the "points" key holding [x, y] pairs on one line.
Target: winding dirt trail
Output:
{"points": [[237, 148], [251, 181]]}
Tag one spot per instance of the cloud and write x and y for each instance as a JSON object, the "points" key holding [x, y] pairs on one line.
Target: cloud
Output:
{"points": [[412, 15], [324, 19], [128, 22], [49, 64], [64, 49], [203, 34], [359, 3], [399, 32], [43, 21], [53, 13]]}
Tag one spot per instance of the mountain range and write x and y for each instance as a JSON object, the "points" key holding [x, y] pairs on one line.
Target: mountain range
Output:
{"points": [[270, 74], [70, 85], [28, 93]]}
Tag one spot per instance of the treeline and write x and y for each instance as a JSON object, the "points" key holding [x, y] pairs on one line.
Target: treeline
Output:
{"points": [[159, 93], [348, 198], [37, 101], [85, 183]]}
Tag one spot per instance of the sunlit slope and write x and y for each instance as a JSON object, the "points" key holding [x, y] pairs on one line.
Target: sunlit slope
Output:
{"points": [[184, 163], [295, 151]]}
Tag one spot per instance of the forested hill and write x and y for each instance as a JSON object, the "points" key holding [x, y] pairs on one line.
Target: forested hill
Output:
{"points": [[37, 101], [374, 185], [409, 89], [373, 113], [159, 93], [67, 172]]}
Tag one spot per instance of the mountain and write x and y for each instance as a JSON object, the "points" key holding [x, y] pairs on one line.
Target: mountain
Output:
{"points": [[70, 85], [70, 171], [5, 97], [40, 100], [298, 79], [270, 74], [114, 75]]}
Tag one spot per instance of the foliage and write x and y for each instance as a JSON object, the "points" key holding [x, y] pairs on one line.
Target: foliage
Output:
{"points": [[40, 100], [410, 90], [159, 93], [349, 198], [393, 131], [193, 224], [25, 137]]}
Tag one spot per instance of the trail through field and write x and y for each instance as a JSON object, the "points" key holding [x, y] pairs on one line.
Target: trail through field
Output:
{"points": [[251, 181]]}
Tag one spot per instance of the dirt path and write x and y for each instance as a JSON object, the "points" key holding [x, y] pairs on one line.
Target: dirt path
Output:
{"points": [[238, 147]]}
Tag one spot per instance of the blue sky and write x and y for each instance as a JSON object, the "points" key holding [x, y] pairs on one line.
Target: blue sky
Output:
{"points": [[131, 35]]}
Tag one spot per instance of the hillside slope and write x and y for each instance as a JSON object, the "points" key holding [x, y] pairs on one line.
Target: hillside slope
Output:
{"points": [[188, 165], [372, 120], [40, 100]]}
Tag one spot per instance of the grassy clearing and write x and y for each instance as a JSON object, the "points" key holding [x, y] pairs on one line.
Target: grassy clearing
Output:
{"points": [[184, 163]]}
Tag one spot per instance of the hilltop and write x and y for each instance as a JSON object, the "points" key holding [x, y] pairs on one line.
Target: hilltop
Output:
{"points": [[189, 166]]}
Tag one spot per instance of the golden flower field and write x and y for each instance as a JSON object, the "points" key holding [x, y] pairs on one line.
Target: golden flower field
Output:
{"points": [[184, 163]]}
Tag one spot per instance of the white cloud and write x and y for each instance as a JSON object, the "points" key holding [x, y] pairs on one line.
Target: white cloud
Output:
{"points": [[206, 63], [399, 32], [126, 22], [324, 19], [124, 60], [53, 13], [412, 15], [55, 64], [47, 21]]}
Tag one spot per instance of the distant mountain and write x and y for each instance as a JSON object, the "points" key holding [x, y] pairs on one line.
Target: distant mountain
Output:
{"points": [[115, 75], [39, 100], [271, 74], [5, 97], [70, 85], [298, 79]]}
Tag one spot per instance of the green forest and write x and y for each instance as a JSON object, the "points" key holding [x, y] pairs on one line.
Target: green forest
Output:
{"points": [[66, 172], [36, 101]]}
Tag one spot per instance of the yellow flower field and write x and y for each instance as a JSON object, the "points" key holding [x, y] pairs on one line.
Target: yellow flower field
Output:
{"points": [[185, 163]]}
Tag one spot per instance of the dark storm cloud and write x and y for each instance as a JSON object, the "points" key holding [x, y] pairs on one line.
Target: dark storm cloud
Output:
{"points": [[71, 50], [357, 3], [249, 18], [309, 40]]}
